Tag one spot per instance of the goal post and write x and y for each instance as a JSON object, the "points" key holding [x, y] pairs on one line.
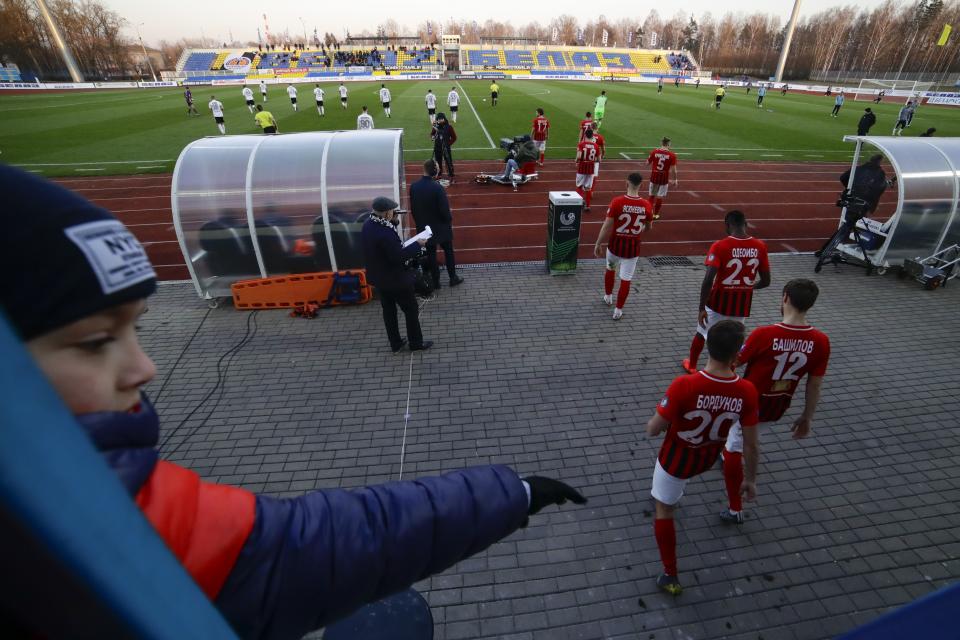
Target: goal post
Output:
{"points": [[870, 88]]}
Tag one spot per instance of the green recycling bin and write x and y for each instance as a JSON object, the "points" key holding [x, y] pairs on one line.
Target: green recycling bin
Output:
{"points": [[563, 231]]}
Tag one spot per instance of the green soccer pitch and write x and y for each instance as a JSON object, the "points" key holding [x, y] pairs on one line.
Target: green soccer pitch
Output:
{"points": [[143, 131]]}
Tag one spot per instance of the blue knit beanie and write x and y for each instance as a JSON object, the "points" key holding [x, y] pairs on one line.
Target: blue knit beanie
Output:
{"points": [[61, 257]]}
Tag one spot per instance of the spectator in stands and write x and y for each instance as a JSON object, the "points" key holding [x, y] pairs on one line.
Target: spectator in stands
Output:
{"points": [[273, 567]]}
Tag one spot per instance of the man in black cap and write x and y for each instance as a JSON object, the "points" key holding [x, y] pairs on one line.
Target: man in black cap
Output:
{"points": [[430, 206], [867, 120], [385, 257]]}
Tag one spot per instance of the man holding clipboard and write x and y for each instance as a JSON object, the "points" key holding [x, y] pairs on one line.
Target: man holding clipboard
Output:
{"points": [[385, 257]]}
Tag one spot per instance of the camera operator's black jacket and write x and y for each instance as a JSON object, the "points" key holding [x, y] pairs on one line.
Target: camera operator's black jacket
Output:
{"points": [[385, 256]]}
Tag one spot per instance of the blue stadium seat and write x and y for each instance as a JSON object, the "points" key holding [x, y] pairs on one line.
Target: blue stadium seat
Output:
{"points": [[199, 61]]}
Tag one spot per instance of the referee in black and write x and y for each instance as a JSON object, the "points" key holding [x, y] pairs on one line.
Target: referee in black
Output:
{"points": [[385, 258]]}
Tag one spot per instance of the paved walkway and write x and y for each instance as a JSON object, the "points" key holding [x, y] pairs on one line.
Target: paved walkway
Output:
{"points": [[531, 371]]}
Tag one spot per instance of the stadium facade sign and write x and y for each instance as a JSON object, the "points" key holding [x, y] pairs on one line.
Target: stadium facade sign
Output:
{"points": [[21, 85], [490, 76], [952, 99], [240, 64], [166, 83]]}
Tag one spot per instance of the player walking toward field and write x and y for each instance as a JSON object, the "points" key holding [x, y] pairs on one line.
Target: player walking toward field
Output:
{"points": [[628, 216], [343, 96], [385, 99], [837, 103], [736, 266], [263, 91], [761, 94], [364, 120], [248, 97], [217, 108], [453, 101], [586, 125], [599, 108], [540, 133], [718, 97], [660, 85], [587, 154], [778, 356], [292, 92], [431, 101], [318, 96], [601, 149], [494, 92], [902, 118], [697, 412], [662, 162], [188, 97]]}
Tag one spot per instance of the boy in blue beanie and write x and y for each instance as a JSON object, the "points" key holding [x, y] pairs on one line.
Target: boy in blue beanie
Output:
{"points": [[275, 568]]}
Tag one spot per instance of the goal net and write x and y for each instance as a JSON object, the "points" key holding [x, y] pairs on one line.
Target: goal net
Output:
{"points": [[873, 88]]}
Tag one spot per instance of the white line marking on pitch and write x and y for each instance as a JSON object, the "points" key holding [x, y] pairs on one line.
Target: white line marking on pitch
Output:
{"points": [[626, 156], [100, 169], [470, 102], [152, 166], [727, 154], [771, 155], [76, 164]]}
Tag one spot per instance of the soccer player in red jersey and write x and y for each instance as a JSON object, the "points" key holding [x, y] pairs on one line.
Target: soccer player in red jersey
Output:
{"points": [[628, 216], [601, 148], [586, 125], [736, 266], [778, 356], [662, 162], [541, 129], [587, 155], [697, 412]]}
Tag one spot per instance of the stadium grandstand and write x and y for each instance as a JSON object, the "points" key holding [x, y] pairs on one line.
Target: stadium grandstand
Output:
{"points": [[551, 60], [10, 73], [201, 65]]}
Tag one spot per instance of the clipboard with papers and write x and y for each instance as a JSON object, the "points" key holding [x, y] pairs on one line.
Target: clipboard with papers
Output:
{"points": [[426, 234]]}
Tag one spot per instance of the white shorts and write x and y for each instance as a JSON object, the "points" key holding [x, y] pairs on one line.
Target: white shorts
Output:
{"points": [[659, 190], [585, 181], [541, 145], [735, 439], [596, 169], [713, 318], [665, 487], [627, 265]]}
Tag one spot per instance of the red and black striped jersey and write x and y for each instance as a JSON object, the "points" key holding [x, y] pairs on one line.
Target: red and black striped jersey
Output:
{"points": [[701, 409], [587, 156], [585, 125], [631, 215], [739, 263], [778, 356], [541, 127]]}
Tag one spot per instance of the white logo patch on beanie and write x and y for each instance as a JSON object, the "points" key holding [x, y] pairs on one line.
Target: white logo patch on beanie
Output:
{"points": [[114, 254]]}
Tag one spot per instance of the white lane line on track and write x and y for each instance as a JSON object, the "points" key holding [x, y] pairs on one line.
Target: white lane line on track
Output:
{"points": [[790, 248], [694, 194], [625, 155], [591, 222], [470, 102], [717, 207], [77, 164], [646, 243]]}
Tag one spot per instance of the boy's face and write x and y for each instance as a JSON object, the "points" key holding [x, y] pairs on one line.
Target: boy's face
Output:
{"points": [[96, 364]]}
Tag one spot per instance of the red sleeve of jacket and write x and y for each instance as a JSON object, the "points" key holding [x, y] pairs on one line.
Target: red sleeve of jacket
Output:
{"points": [[204, 524]]}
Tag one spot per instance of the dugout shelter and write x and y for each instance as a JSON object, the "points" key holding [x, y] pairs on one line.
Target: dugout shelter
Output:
{"points": [[258, 206], [926, 217]]}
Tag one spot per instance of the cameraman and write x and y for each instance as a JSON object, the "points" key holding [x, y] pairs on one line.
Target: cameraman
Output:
{"points": [[869, 183], [385, 258]]}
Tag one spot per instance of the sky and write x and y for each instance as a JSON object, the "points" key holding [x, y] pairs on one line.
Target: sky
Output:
{"points": [[175, 19]]}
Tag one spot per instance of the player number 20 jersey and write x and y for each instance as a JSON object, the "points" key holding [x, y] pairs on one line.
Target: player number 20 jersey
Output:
{"points": [[701, 409], [739, 263], [778, 356]]}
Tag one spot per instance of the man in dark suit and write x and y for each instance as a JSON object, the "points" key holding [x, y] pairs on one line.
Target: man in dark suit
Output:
{"points": [[385, 258], [430, 206]]}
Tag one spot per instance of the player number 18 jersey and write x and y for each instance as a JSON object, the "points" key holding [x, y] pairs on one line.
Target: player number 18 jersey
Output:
{"points": [[587, 155]]}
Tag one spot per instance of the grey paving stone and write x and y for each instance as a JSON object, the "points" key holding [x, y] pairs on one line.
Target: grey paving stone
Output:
{"points": [[529, 371]]}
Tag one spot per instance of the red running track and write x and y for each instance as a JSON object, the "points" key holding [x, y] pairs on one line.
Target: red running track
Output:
{"points": [[788, 204]]}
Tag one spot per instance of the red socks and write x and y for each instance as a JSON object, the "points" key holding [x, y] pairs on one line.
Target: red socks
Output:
{"points": [[695, 348], [589, 194], [541, 158], [657, 203], [608, 278], [622, 292], [733, 477], [581, 194], [667, 543]]}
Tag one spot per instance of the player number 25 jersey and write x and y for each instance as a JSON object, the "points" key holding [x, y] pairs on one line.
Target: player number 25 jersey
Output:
{"points": [[630, 216], [739, 262], [778, 356], [701, 410]]}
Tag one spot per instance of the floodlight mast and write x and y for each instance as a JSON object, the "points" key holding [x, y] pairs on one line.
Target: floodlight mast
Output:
{"points": [[778, 76], [58, 40]]}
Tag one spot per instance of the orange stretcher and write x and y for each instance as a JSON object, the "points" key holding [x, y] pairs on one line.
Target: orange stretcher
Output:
{"points": [[323, 289]]}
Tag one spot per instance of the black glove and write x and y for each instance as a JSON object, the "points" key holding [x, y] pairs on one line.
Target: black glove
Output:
{"points": [[547, 491]]}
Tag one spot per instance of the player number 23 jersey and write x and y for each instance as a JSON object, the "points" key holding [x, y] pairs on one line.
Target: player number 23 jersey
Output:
{"points": [[739, 262], [701, 409]]}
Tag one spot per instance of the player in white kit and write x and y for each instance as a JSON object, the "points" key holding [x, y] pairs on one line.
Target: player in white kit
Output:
{"points": [[431, 101], [453, 101], [365, 121], [343, 95], [263, 90], [292, 92], [385, 99], [217, 108], [318, 95], [248, 97]]}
